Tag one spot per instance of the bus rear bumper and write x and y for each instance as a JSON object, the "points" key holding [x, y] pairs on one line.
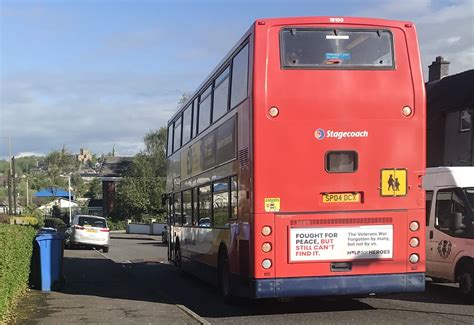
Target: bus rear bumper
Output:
{"points": [[338, 285]]}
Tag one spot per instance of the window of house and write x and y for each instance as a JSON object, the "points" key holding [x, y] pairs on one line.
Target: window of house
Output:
{"points": [[205, 206], [240, 67], [220, 204], [205, 109], [221, 95], [187, 124], [177, 134], [170, 139], [187, 208], [465, 120]]}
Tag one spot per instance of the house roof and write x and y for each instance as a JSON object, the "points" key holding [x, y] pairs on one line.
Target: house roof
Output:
{"points": [[55, 191], [452, 93], [115, 166]]}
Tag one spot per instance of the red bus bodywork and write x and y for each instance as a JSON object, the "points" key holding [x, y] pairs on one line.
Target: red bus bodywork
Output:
{"points": [[282, 159]]}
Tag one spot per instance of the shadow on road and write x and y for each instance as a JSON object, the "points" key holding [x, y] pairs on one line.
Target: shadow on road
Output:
{"points": [[436, 293], [161, 283]]}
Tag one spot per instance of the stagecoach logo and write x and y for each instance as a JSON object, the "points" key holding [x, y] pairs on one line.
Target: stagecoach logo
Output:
{"points": [[444, 248], [320, 134]]}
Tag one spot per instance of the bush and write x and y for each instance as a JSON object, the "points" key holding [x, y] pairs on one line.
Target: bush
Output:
{"points": [[16, 247], [4, 218], [116, 224], [55, 223]]}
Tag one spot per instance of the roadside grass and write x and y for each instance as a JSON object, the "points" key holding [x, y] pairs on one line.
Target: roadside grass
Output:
{"points": [[16, 248]]}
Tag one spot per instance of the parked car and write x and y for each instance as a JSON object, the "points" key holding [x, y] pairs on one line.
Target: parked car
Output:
{"points": [[89, 231], [450, 226]]}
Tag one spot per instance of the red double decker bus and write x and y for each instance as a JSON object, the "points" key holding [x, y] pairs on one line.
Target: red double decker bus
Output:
{"points": [[295, 168]]}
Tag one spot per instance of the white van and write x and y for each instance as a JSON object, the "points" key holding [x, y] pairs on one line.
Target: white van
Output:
{"points": [[450, 226]]}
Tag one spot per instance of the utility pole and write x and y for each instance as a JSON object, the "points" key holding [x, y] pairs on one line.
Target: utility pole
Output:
{"points": [[27, 192], [14, 186], [9, 185]]}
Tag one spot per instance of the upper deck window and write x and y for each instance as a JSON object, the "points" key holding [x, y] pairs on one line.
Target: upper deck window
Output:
{"points": [[177, 134], [187, 124], [205, 110], [311, 48], [240, 69]]}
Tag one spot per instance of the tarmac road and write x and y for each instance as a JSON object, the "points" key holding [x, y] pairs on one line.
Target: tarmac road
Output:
{"points": [[134, 284]]}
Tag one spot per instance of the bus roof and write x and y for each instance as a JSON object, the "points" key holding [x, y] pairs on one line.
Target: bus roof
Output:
{"points": [[332, 21], [448, 176]]}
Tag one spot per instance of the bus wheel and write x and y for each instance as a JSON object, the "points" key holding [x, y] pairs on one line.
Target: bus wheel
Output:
{"points": [[224, 276], [177, 255], [466, 282]]}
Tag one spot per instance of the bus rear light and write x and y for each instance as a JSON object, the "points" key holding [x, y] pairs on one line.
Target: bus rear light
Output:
{"points": [[266, 230], [407, 111], [273, 111], [414, 226], [414, 258], [266, 247], [414, 242], [267, 263]]}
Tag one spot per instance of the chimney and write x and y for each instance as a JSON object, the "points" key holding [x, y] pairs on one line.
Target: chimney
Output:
{"points": [[438, 69]]}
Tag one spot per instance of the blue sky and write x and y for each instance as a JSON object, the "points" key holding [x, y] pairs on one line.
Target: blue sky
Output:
{"points": [[95, 74]]}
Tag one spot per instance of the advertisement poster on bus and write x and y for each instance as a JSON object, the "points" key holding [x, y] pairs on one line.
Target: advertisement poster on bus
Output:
{"points": [[341, 243]]}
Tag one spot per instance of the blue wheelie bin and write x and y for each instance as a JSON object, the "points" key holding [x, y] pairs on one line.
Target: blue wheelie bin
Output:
{"points": [[51, 251]]}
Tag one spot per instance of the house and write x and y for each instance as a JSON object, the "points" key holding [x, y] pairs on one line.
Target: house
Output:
{"points": [[111, 172], [60, 202], [450, 107]]}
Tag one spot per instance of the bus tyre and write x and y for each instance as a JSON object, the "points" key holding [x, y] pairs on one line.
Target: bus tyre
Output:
{"points": [[466, 282], [224, 277]]}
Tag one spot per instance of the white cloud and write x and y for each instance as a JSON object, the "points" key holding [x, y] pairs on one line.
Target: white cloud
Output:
{"points": [[445, 29]]}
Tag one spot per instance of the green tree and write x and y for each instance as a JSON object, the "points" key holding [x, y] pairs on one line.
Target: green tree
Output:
{"points": [[139, 192], [94, 189]]}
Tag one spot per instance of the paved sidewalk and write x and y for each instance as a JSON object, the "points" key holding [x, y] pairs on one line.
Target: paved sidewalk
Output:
{"points": [[100, 291]]}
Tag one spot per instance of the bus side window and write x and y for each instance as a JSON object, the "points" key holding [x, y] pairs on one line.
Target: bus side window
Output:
{"points": [[205, 109], [220, 95], [187, 124], [429, 200], [205, 206], [240, 67], [220, 204], [233, 197], [187, 208], [195, 207], [195, 118], [178, 209], [177, 134], [170, 140]]}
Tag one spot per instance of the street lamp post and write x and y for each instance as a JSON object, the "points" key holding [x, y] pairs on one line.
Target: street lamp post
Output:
{"points": [[69, 195]]}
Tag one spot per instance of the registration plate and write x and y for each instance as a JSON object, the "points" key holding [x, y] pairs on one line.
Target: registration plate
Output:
{"points": [[91, 230], [341, 197]]}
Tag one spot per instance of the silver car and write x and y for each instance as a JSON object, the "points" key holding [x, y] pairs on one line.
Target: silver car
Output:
{"points": [[88, 230]]}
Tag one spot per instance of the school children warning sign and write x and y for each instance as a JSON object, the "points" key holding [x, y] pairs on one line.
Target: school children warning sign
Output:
{"points": [[341, 243]]}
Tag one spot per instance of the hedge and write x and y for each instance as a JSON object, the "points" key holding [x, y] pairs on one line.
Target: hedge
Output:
{"points": [[16, 247]]}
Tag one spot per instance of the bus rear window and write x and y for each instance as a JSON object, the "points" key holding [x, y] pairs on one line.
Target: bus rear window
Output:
{"points": [[304, 48]]}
